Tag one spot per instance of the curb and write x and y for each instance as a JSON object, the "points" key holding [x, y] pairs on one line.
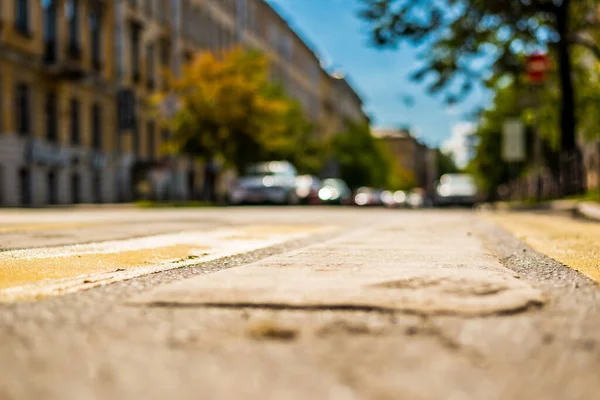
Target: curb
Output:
{"points": [[585, 209], [588, 210]]}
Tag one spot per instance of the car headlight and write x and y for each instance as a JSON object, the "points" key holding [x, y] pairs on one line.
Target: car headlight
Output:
{"points": [[444, 191], [400, 197], [361, 199], [325, 194], [303, 191]]}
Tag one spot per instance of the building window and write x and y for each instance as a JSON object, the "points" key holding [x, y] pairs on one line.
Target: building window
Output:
{"points": [[72, 9], [126, 109], [75, 188], [149, 8], [150, 66], [2, 184], [22, 16], [25, 186], [165, 135], [165, 52], [97, 127], [162, 10], [52, 190], [1, 106], [51, 117], [75, 122], [97, 186], [135, 53], [135, 139], [22, 110], [49, 31], [96, 38], [151, 140]]}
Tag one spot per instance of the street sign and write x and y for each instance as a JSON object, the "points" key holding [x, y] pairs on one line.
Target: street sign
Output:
{"points": [[513, 143], [537, 67]]}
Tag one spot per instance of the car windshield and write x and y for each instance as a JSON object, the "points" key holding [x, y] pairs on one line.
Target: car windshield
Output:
{"points": [[457, 180]]}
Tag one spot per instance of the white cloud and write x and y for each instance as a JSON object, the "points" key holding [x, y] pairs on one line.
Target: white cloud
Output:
{"points": [[452, 110], [457, 144]]}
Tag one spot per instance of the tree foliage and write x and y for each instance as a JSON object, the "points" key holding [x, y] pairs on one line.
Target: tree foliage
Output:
{"points": [[229, 110], [467, 41], [445, 163], [508, 102], [365, 161]]}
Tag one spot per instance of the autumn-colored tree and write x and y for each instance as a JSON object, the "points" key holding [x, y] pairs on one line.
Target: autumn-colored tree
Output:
{"points": [[228, 109]]}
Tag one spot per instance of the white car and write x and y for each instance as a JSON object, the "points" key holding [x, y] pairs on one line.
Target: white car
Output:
{"points": [[456, 189], [273, 182]]}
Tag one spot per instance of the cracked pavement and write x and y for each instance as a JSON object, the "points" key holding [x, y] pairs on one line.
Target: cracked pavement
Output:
{"points": [[393, 304]]}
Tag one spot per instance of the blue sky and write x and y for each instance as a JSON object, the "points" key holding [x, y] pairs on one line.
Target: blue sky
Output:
{"points": [[380, 76]]}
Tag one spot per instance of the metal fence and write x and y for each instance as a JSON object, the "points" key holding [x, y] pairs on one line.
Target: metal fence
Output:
{"points": [[579, 171]]}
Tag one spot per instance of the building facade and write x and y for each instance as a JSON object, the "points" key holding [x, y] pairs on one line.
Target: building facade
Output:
{"points": [[57, 88], [411, 156], [75, 77]]}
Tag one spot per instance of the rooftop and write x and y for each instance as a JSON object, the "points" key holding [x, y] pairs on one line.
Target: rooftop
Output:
{"points": [[390, 133]]}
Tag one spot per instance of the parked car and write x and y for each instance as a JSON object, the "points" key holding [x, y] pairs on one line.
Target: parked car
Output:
{"points": [[271, 182], [307, 189], [456, 189], [416, 199], [335, 191], [366, 196], [400, 198]]}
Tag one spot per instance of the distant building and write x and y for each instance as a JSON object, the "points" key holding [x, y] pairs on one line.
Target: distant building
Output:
{"points": [[75, 74], [411, 155]]}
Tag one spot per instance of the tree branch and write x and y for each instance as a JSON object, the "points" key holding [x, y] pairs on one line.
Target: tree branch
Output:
{"points": [[588, 44]]}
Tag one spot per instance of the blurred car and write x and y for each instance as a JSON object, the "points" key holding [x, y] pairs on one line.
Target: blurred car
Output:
{"points": [[335, 191], [400, 198], [366, 196], [272, 182], [415, 199], [307, 189], [456, 189]]}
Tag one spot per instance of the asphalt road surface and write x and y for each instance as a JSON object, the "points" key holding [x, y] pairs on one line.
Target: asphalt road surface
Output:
{"points": [[297, 303]]}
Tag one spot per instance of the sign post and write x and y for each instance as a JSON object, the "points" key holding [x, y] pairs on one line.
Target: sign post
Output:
{"points": [[537, 66], [513, 143]]}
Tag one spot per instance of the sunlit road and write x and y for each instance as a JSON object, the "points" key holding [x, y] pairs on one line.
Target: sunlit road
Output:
{"points": [[295, 303]]}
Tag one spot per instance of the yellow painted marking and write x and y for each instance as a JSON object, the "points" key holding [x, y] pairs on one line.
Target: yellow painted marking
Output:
{"points": [[574, 243], [29, 274], [28, 271]]}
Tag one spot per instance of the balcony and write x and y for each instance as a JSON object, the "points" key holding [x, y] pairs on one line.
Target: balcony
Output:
{"points": [[68, 68]]}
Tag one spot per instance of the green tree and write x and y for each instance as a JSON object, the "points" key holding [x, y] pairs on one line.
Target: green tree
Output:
{"points": [[466, 39], [445, 163], [361, 159], [365, 161]]}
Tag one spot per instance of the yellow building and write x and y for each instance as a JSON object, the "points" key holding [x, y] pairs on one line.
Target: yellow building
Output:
{"points": [[75, 76], [57, 94]]}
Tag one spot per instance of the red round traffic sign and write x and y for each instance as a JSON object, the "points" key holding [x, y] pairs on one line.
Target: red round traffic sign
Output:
{"points": [[537, 67]]}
